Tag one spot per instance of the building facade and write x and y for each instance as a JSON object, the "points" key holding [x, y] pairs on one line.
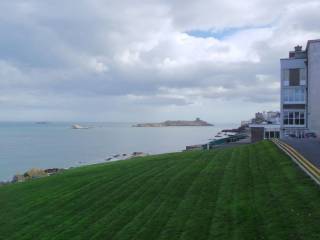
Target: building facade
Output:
{"points": [[264, 131], [313, 102], [300, 91]]}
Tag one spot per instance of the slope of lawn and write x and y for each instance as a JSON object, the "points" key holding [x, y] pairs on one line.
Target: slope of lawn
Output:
{"points": [[247, 192]]}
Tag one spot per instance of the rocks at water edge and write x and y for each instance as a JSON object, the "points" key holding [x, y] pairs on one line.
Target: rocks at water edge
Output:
{"points": [[35, 173], [125, 156]]}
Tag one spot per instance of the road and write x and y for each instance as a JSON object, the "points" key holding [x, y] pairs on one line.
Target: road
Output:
{"points": [[309, 148]]}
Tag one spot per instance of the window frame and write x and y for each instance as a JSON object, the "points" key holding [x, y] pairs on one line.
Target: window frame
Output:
{"points": [[302, 75], [295, 95], [294, 118]]}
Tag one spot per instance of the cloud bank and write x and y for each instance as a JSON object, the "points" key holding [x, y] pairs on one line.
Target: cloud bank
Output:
{"points": [[97, 60]]}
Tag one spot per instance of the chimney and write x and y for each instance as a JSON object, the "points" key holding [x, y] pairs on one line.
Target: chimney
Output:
{"points": [[298, 48]]}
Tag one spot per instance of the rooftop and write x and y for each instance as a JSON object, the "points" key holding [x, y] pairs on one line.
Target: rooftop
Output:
{"points": [[312, 41]]}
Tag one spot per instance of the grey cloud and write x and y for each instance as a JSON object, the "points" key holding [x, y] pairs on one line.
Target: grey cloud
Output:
{"points": [[62, 54]]}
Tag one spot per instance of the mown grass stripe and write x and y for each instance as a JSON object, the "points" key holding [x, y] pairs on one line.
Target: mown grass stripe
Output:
{"points": [[136, 192], [296, 202], [258, 195], [222, 224], [134, 226], [198, 224], [151, 191], [52, 207], [176, 224], [168, 202], [63, 225], [125, 213], [275, 206], [243, 208]]}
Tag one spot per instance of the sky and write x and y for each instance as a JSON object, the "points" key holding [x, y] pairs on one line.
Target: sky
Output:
{"points": [[147, 60]]}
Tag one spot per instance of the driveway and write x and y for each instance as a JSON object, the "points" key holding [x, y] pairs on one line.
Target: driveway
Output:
{"points": [[309, 148]]}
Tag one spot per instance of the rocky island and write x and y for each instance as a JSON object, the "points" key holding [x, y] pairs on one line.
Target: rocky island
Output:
{"points": [[180, 123]]}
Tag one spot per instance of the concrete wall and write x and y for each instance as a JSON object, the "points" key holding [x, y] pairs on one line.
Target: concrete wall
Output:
{"points": [[257, 134], [292, 63], [314, 87]]}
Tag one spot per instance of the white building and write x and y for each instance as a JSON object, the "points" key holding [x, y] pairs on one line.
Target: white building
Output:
{"points": [[300, 89], [245, 123], [273, 117]]}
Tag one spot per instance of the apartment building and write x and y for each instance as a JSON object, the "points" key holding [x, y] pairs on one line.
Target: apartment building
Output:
{"points": [[300, 90]]}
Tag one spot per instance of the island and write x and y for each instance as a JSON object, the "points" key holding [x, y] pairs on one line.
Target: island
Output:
{"points": [[179, 123]]}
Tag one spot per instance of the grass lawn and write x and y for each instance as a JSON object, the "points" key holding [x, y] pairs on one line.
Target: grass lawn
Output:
{"points": [[247, 192]]}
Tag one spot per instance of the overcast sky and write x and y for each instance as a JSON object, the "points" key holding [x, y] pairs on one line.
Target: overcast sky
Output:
{"points": [[147, 60]]}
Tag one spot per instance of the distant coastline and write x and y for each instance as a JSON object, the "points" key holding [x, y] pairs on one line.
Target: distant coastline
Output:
{"points": [[179, 123]]}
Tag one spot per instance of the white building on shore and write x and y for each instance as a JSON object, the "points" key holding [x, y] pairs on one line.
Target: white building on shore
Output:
{"points": [[300, 90]]}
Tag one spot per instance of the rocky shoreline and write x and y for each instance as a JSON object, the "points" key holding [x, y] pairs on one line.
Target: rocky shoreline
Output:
{"points": [[35, 173]]}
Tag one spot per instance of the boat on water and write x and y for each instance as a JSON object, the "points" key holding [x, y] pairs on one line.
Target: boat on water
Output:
{"points": [[219, 135], [77, 126]]}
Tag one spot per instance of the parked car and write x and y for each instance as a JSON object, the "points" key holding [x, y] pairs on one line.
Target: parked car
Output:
{"points": [[310, 135]]}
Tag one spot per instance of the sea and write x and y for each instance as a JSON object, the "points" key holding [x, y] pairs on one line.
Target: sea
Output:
{"points": [[26, 145]]}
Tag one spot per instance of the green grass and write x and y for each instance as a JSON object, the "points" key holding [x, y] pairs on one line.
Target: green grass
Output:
{"points": [[248, 192]]}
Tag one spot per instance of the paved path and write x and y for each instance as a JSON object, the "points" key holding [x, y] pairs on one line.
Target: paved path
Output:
{"points": [[309, 148]]}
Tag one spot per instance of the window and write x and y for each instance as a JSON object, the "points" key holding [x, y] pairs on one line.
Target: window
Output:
{"points": [[301, 118], [290, 118], [271, 134], [285, 118], [303, 76], [294, 95], [294, 77], [294, 118], [286, 77]]}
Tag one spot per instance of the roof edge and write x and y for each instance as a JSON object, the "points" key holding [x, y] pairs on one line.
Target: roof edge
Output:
{"points": [[311, 41]]}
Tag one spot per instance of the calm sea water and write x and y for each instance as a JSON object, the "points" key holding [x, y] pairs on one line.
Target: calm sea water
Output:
{"points": [[27, 145]]}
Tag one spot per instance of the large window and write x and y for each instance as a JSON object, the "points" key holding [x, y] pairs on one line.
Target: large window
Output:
{"points": [[271, 134], [295, 77], [286, 77], [294, 95], [294, 118], [303, 76]]}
